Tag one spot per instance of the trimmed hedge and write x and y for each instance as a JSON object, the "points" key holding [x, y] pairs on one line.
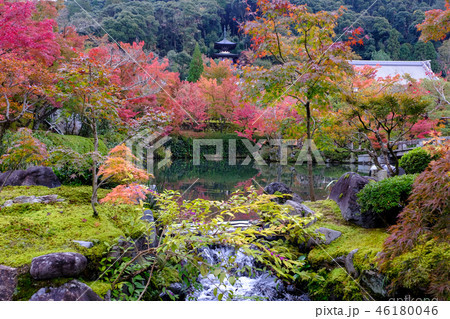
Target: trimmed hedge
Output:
{"points": [[76, 143], [182, 146], [415, 161]]}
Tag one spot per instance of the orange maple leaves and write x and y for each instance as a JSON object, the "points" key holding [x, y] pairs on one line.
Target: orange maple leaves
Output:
{"points": [[436, 25], [119, 167]]}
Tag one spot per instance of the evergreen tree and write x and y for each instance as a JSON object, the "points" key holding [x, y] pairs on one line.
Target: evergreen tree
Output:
{"points": [[393, 45], [380, 55], [406, 52], [426, 51], [196, 66]]}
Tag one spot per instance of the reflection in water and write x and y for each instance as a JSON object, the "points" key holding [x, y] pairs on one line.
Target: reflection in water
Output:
{"points": [[217, 180]]}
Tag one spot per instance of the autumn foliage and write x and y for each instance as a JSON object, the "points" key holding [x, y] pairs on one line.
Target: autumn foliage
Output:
{"points": [[436, 25], [118, 167], [24, 150], [421, 232]]}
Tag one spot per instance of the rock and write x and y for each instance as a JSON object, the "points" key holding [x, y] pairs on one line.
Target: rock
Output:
{"points": [[57, 265], [86, 244], [349, 263], [149, 239], [381, 174], [375, 281], [300, 209], [344, 194], [71, 291], [175, 290], [330, 234], [47, 199], [148, 216], [8, 282], [33, 176], [282, 188]]}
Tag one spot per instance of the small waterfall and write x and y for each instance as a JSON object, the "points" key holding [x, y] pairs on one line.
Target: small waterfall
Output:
{"points": [[251, 284]]}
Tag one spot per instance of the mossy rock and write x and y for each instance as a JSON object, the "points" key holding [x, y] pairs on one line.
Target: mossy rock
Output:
{"points": [[27, 286]]}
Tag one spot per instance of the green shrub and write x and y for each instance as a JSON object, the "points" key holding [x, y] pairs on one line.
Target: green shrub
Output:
{"points": [[337, 155], [183, 146], [415, 161], [387, 197]]}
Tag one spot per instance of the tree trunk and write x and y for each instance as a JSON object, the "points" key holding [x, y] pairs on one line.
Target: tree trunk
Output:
{"points": [[94, 170], [312, 195]]}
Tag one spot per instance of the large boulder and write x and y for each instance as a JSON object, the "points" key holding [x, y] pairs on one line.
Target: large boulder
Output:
{"points": [[33, 176], [57, 265], [344, 194], [8, 282], [71, 291], [282, 188]]}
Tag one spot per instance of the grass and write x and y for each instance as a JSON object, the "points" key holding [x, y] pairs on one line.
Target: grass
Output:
{"points": [[31, 230]]}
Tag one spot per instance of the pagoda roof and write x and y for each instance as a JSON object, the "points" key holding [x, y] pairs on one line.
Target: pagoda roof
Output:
{"points": [[225, 41]]}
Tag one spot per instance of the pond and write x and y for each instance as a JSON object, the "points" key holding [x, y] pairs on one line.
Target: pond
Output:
{"points": [[217, 180]]}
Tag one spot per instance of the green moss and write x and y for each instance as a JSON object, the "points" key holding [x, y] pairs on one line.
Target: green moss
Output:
{"points": [[76, 143], [328, 209], [164, 277], [99, 287], [335, 285], [31, 230], [27, 287], [368, 241]]}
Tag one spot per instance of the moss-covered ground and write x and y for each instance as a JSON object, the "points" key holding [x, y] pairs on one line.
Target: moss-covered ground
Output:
{"points": [[332, 281], [31, 230], [368, 241]]}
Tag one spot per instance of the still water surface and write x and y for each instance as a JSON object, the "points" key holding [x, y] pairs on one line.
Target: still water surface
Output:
{"points": [[217, 180]]}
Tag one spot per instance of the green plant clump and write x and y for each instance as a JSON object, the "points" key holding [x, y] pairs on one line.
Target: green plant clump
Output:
{"points": [[335, 285], [386, 197], [415, 161]]}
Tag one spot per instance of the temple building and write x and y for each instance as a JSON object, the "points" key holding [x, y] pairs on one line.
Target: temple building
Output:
{"points": [[417, 70], [225, 47]]}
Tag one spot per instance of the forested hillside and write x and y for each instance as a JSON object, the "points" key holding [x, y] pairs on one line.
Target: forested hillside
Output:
{"points": [[172, 28]]}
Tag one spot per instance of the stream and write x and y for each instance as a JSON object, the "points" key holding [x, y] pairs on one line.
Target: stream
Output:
{"points": [[251, 283]]}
